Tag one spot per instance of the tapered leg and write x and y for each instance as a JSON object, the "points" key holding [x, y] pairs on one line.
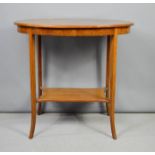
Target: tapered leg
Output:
{"points": [[39, 73], [108, 72], [32, 83], [113, 54]]}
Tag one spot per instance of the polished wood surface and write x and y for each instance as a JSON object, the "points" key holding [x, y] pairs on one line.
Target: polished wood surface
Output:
{"points": [[75, 28], [73, 23], [73, 95]]}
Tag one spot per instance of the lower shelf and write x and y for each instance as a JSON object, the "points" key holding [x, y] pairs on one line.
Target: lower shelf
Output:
{"points": [[73, 95]]}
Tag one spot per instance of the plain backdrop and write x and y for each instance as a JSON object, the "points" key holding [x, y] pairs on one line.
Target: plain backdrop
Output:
{"points": [[79, 62]]}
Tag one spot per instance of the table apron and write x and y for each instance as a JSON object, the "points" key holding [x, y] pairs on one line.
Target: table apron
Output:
{"points": [[72, 32]]}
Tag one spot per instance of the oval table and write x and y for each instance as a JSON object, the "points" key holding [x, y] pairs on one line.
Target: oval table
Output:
{"points": [[74, 28]]}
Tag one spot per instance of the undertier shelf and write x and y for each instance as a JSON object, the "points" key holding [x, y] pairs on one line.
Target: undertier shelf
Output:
{"points": [[73, 95]]}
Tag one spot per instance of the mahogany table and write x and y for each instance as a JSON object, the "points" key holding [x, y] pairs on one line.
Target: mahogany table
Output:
{"points": [[74, 28]]}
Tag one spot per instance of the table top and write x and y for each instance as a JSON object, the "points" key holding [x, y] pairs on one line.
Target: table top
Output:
{"points": [[73, 23]]}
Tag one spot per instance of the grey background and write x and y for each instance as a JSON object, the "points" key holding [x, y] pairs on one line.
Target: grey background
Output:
{"points": [[79, 62]]}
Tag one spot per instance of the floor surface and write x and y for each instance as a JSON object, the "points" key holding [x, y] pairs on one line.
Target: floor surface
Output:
{"points": [[77, 132]]}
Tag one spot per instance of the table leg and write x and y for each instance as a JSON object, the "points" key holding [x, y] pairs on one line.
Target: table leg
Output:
{"points": [[39, 73], [32, 83], [113, 54], [108, 72]]}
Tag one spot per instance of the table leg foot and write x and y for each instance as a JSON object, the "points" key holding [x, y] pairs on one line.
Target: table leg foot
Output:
{"points": [[112, 122], [33, 123], [40, 109], [107, 108]]}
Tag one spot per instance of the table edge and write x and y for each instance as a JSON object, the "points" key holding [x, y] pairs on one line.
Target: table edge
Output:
{"points": [[73, 26]]}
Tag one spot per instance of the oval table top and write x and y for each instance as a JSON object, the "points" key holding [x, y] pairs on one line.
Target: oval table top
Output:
{"points": [[73, 23]]}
